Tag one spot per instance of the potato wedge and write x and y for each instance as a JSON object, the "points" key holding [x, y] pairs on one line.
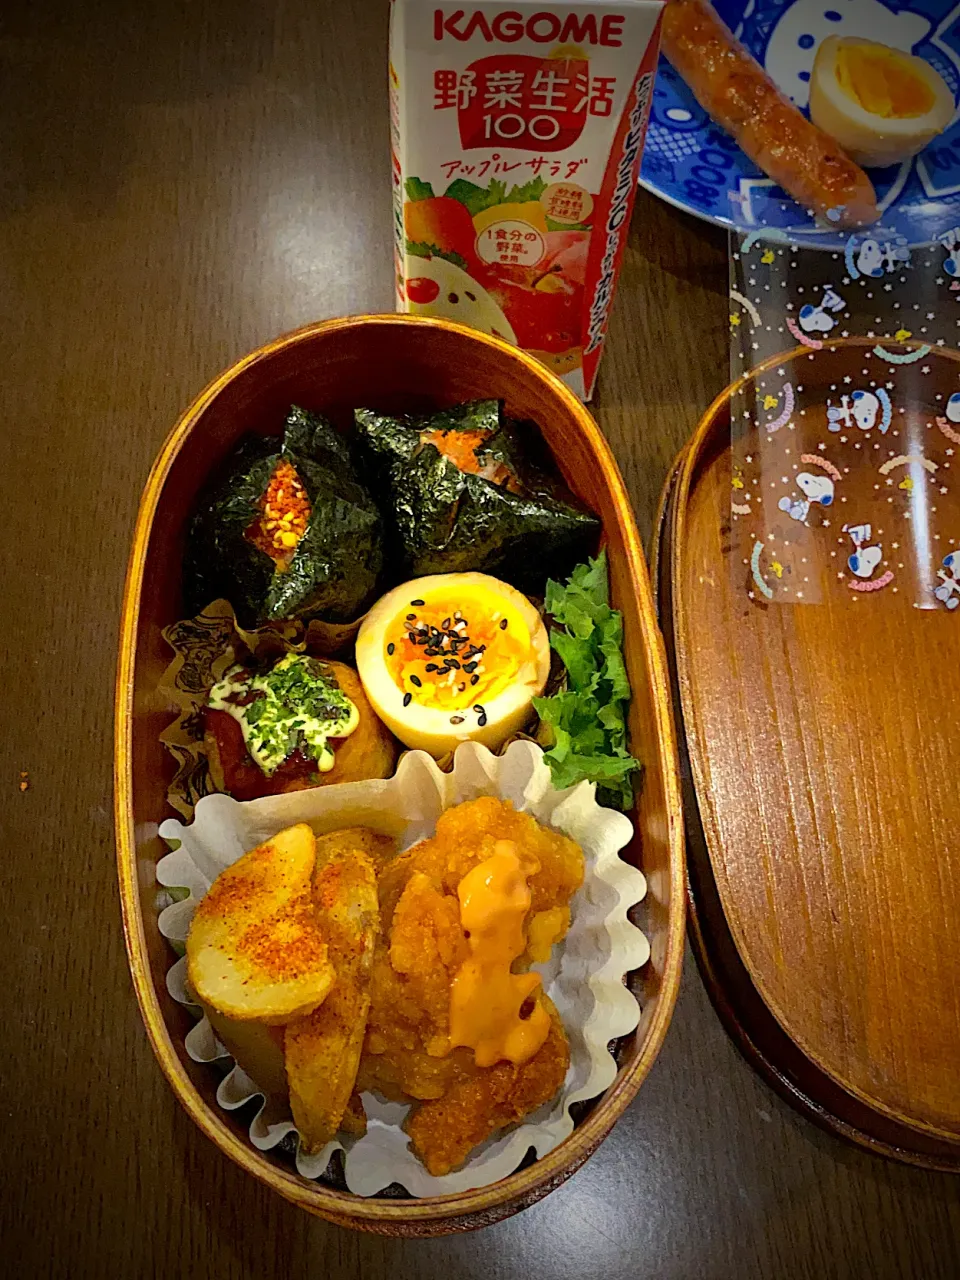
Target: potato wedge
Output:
{"points": [[255, 1047], [322, 1050], [255, 948], [379, 849]]}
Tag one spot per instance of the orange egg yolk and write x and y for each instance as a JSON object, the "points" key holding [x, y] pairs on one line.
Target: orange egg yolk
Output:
{"points": [[486, 999], [882, 82], [453, 654]]}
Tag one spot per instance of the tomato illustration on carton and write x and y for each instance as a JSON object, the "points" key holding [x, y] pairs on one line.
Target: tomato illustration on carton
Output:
{"points": [[508, 178]]}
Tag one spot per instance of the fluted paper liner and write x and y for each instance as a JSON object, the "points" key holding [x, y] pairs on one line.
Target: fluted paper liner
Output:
{"points": [[205, 647], [584, 977]]}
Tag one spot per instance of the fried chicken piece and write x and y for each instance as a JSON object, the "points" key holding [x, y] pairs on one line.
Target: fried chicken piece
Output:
{"points": [[408, 1031], [423, 946], [443, 1132], [467, 835]]}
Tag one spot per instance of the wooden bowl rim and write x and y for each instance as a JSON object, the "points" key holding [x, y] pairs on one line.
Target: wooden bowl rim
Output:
{"points": [[526, 1185], [674, 508]]}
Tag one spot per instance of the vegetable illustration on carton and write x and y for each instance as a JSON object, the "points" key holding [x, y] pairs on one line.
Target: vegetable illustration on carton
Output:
{"points": [[517, 136]]}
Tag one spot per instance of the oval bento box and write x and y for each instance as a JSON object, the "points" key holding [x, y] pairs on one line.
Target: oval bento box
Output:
{"points": [[393, 363], [822, 856]]}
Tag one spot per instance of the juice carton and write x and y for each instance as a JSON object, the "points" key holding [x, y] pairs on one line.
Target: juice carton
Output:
{"points": [[517, 134]]}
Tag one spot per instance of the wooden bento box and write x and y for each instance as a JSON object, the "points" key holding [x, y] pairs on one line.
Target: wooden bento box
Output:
{"points": [[809, 644], [394, 363]]}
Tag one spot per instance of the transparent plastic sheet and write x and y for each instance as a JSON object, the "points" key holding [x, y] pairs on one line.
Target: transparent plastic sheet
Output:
{"points": [[845, 428]]}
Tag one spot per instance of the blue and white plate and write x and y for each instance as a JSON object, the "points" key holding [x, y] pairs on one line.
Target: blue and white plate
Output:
{"points": [[694, 165]]}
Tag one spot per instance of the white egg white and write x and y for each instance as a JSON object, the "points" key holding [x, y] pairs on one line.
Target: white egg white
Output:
{"points": [[429, 728]]}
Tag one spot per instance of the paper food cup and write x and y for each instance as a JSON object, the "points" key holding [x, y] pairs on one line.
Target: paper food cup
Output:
{"points": [[584, 977]]}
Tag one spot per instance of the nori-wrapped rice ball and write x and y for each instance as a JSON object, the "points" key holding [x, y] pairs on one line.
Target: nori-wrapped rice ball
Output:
{"points": [[286, 530], [469, 489]]}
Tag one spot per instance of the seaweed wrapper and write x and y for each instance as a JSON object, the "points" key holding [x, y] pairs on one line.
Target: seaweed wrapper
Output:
{"points": [[336, 565], [205, 647], [450, 521]]}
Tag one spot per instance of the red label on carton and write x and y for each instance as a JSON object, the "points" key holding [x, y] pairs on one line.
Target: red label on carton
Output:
{"points": [[517, 133]]}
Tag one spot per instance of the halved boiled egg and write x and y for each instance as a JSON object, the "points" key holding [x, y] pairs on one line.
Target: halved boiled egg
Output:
{"points": [[451, 658], [881, 105]]}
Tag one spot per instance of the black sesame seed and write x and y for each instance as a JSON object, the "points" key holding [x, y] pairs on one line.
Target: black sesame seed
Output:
{"points": [[407, 699], [456, 719], [479, 710], [482, 720], [431, 653], [391, 647], [503, 624], [474, 679], [415, 680], [470, 666], [432, 666], [445, 624], [411, 616], [453, 664], [416, 602]]}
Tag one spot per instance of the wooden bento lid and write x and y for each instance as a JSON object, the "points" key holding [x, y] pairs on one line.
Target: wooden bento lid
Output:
{"points": [[804, 576]]}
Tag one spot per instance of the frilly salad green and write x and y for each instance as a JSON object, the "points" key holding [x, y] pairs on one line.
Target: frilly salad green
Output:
{"points": [[587, 720]]}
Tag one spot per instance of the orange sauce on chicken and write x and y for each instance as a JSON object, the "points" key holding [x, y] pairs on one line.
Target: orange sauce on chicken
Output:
{"points": [[487, 1000]]}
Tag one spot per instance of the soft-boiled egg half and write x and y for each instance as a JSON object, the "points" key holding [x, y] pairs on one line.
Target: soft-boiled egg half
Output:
{"points": [[456, 657], [881, 105]]}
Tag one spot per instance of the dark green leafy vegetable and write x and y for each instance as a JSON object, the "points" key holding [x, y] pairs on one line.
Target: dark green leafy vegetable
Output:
{"points": [[588, 720], [421, 249], [474, 198], [467, 489], [418, 190], [531, 190], [334, 569]]}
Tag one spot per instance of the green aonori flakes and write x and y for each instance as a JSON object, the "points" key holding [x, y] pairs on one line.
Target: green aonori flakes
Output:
{"points": [[587, 721], [297, 704]]}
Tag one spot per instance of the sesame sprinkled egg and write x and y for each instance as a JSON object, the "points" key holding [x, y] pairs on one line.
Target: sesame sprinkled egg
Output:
{"points": [[451, 658]]}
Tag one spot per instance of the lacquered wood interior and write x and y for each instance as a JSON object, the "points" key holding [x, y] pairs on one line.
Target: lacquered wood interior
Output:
{"points": [[387, 362], [819, 745]]}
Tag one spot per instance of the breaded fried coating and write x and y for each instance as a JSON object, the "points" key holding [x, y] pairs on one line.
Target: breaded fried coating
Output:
{"points": [[422, 948], [444, 1132]]}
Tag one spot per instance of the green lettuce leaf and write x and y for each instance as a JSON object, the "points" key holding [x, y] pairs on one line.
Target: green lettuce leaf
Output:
{"points": [[421, 249], [531, 190], [417, 190], [475, 199], [586, 723]]}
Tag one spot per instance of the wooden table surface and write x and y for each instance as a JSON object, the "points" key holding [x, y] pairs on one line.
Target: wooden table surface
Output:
{"points": [[178, 183]]}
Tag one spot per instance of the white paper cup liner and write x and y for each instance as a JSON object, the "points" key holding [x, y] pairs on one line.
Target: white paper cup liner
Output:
{"points": [[584, 977]]}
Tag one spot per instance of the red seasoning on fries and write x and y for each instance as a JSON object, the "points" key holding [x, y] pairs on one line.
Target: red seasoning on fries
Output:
{"points": [[738, 94]]}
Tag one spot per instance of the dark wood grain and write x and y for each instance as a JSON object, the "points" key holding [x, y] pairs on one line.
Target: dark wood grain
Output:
{"points": [[177, 184]]}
